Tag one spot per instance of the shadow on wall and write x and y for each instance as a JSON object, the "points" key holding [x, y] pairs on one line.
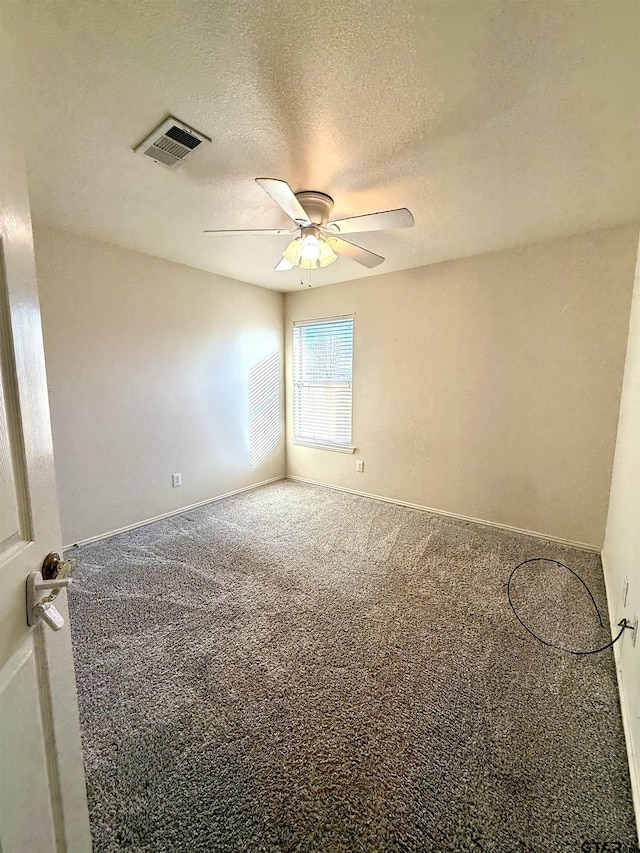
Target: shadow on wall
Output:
{"points": [[264, 408]]}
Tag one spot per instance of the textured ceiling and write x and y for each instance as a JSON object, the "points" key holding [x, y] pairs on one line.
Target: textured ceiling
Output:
{"points": [[496, 123]]}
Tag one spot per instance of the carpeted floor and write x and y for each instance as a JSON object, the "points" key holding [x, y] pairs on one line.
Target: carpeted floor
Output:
{"points": [[299, 669]]}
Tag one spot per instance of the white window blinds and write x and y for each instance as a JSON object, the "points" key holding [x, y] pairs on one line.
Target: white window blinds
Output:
{"points": [[322, 372]]}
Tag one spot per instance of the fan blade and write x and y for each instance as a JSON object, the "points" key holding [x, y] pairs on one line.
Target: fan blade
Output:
{"points": [[283, 264], [264, 231], [283, 195], [356, 253], [400, 218]]}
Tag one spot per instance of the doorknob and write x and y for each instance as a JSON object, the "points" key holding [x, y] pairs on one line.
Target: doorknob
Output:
{"points": [[54, 576], [54, 566]]}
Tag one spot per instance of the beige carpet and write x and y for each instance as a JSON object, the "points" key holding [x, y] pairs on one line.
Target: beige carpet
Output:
{"points": [[298, 669]]}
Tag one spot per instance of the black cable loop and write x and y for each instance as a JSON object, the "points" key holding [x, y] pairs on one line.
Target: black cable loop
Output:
{"points": [[623, 623]]}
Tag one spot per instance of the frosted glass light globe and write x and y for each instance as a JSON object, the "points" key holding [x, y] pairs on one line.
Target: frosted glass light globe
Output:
{"points": [[310, 248]]}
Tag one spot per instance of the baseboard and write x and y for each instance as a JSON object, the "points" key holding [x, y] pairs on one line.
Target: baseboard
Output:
{"points": [[172, 512], [583, 546], [634, 768]]}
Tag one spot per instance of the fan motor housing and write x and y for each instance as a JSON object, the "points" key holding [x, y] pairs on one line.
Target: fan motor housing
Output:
{"points": [[318, 206]]}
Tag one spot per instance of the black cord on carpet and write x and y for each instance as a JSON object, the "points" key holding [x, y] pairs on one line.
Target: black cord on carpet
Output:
{"points": [[622, 624]]}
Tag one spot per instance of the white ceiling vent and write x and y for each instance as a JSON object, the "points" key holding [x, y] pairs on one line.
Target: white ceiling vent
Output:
{"points": [[171, 143]]}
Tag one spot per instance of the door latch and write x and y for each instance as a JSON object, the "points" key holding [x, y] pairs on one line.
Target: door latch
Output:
{"points": [[54, 577]]}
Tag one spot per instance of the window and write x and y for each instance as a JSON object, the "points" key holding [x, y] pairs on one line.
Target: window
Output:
{"points": [[322, 367], [264, 408]]}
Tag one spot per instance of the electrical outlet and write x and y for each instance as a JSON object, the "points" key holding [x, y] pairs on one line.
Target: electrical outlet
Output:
{"points": [[359, 465], [176, 480]]}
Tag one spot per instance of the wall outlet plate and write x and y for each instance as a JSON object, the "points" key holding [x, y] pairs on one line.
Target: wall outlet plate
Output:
{"points": [[176, 480], [359, 465]]}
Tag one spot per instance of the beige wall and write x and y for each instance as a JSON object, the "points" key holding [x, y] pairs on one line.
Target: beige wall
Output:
{"points": [[621, 553], [488, 386], [148, 365]]}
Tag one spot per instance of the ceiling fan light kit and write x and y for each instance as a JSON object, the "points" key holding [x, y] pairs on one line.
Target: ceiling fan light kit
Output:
{"points": [[310, 250], [318, 244]]}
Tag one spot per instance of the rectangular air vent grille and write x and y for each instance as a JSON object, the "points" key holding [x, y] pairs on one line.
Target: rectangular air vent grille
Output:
{"points": [[183, 137], [171, 143]]}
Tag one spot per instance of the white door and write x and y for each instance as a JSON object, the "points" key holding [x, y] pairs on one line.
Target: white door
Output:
{"points": [[43, 807]]}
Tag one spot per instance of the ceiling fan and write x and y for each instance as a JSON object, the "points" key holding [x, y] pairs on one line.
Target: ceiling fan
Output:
{"points": [[319, 241]]}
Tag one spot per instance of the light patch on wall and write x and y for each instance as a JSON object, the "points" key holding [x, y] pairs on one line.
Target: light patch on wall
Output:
{"points": [[264, 408]]}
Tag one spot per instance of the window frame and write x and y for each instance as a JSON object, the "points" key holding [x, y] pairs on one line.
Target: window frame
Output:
{"points": [[309, 442]]}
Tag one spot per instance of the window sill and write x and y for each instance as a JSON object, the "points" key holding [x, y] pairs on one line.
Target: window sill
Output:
{"points": [[338, 448]]}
